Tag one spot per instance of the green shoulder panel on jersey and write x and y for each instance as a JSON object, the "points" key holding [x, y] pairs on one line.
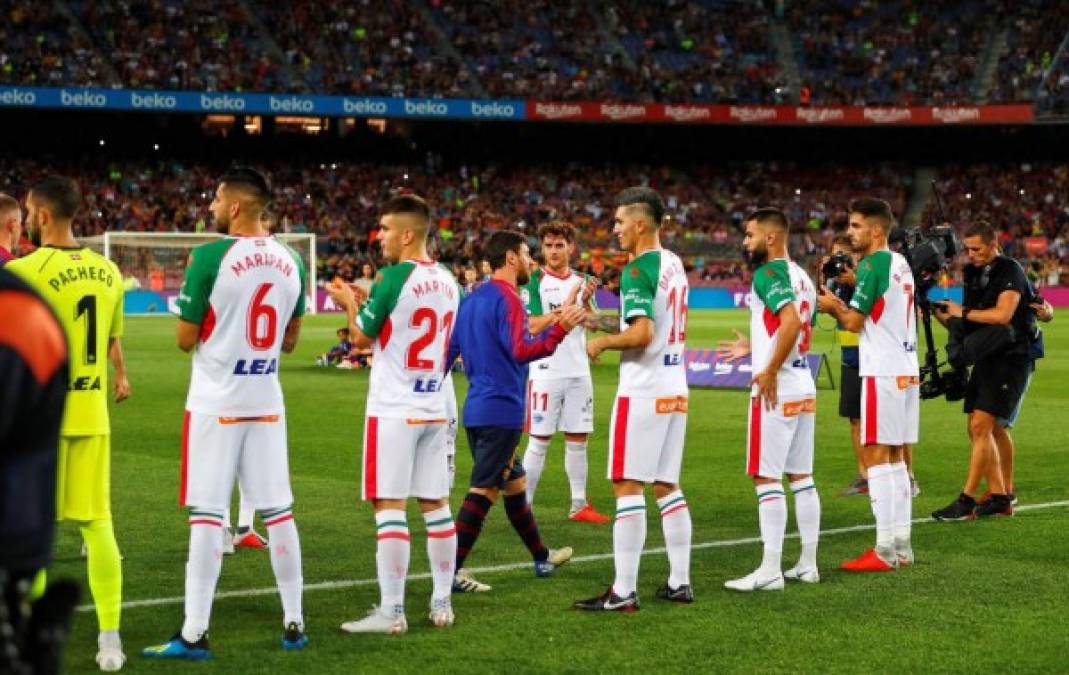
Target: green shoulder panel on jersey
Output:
{"points": [[532, 299], [638, 285], [201, 272], [300, 308], [772, 284], [873, 279], [383, 297]]}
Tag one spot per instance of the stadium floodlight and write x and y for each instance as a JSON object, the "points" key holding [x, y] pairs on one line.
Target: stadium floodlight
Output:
{"points": [[157, 260]]}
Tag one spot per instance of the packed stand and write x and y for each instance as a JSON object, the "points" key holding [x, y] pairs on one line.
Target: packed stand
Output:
{"points": [[362, 48], [339, 202], [39, 47], [905, 52], [533, 48], [1035, 33], [1028, 203], [206, 45], [709, 51]]}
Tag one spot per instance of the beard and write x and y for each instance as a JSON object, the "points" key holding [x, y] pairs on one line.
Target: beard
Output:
{"points": [[523, 277], [755, 258], [222, 226]]}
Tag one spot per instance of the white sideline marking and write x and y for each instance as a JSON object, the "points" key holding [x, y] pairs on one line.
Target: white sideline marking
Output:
{"points": [[350, 583]]}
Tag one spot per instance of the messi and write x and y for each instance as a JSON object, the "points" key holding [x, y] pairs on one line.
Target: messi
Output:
{"points": [[256, 367]]}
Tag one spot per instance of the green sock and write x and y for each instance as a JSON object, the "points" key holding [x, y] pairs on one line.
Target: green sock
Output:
{"points": [[105, 572]]}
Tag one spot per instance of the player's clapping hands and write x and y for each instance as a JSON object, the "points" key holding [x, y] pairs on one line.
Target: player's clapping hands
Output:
{"points": [[571, 316], [346, 295]]}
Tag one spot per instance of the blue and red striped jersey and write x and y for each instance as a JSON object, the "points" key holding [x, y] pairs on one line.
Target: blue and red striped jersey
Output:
{"points": [[491, 335]]}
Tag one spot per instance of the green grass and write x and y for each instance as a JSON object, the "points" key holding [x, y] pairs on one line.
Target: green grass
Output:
{"points": [[991, 593]]}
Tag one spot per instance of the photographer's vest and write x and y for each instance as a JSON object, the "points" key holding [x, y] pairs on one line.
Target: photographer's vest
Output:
{"points": [[884, 294]]}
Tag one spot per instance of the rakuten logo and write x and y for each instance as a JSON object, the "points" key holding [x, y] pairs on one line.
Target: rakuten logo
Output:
{"points": [[82, 99], [426, 107], [820, 115], [558, 111], [363, 106], [954, 115], [687, 113], [492, 109], [16, 97], [153, 101], [290, 104], [752, 113], [887, 115], [622, 111], [222, 102]]}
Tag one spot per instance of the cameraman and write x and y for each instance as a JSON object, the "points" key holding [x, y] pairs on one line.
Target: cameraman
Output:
{"points": [[996, 295]]}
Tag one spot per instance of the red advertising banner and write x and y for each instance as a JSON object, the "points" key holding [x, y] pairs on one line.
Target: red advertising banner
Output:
{"points": [[586, 111]]}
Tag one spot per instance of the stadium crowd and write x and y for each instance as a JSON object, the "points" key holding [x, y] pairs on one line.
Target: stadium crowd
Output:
{"points": [[339, 201], [900, 52]]}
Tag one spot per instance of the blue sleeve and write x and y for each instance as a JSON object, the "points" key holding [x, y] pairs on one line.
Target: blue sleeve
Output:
{"points": [[512, 332]]}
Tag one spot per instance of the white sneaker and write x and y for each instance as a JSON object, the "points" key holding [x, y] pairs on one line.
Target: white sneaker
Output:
{"points": [[755, 582], [463, 582], [442, 612], [228, 541], [110, 657], [807, 575], [903, 552], [379, 621]]}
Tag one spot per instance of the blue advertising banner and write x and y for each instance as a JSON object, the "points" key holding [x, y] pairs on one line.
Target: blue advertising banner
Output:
{"points": [[235, 103], [704, 369]]}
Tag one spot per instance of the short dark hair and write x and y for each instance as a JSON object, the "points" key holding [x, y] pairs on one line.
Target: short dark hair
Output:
{"points": [[558, 228], [982, 229], [871, 207], [8, 203], [408, 203], [646, 198], [499, 244], [770, 215], [61, 194], [250, 180], [842, 239]]}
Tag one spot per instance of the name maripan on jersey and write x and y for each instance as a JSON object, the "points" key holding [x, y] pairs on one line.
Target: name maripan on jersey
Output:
{"points": [[83, 273], [281, 263]]}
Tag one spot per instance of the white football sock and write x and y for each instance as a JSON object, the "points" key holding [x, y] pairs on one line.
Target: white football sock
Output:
{"points": [[285, 547], [394, 550], [576, 467], [675, 522], [441, 550], [534, 460], [628, 538], [772, 517], [881, 494], [807, 515], [202, 571], [246, 513], [903, 501]]}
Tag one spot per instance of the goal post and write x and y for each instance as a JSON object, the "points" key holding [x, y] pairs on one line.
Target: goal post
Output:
{"points": [[153, 264]]}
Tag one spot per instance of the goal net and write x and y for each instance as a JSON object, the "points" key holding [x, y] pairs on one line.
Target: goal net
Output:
{"points": [[154, 263]]}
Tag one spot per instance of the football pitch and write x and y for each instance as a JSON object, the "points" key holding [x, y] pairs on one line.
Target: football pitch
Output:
{"points": [[989, 595]]}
